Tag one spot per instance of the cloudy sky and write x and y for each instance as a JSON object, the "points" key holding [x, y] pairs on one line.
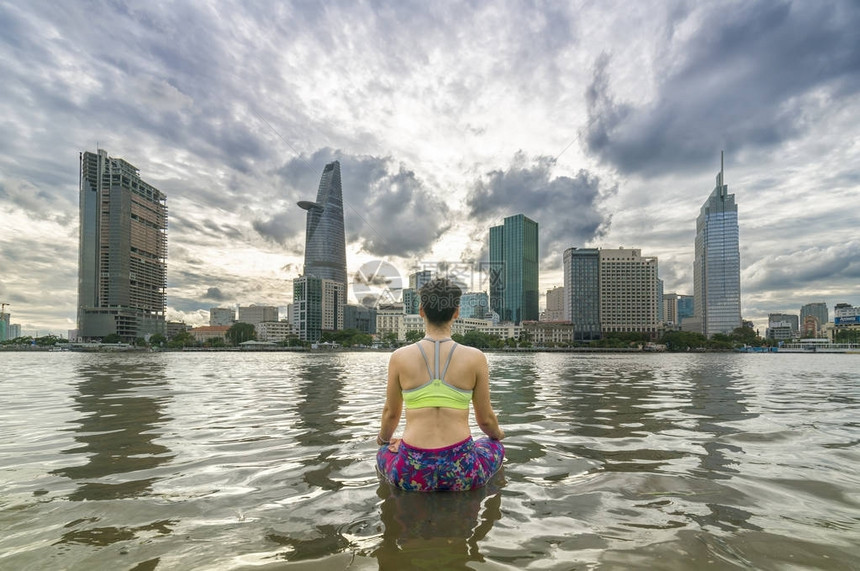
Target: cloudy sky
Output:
{"points": [[603, 121]]}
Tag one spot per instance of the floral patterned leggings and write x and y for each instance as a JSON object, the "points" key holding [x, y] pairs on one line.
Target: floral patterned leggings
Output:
{"points": [[463, 466]]}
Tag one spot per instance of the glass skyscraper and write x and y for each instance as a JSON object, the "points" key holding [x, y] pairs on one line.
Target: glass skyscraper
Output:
{"points": [[514, 290], [325, 241], [717, 265], [122, 258], [582, 292]]}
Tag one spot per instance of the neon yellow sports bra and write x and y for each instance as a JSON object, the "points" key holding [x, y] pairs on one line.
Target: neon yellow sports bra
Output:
{"points": [[436, 392]]}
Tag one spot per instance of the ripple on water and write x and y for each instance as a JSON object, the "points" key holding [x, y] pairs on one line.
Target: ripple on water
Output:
{"points": [[234, 460]]}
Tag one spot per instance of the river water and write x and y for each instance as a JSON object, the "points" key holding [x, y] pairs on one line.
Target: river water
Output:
{"points": [[265, 460]]}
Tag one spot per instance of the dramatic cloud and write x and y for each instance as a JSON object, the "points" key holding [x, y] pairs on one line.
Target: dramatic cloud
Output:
{"points": [[568, 210], [750, 77], [215, 294], [388, 210]]}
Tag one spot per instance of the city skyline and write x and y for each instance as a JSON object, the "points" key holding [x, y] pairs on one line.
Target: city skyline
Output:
{"points": [[600, 122]]}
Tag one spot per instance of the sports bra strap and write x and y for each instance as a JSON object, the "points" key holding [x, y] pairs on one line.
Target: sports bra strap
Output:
{"points": [[434, 374], [426, 362], [448, 362]]}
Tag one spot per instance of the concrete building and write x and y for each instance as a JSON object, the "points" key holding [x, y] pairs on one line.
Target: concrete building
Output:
{"points": [[255, 314], [317, 306], [782, 327], [628, 292], [222, 316], [817, 310], [173, 328], [325, 240], [554, 305], [14, 331], [274, 331], [514, 293], [582, 292], [505, 330], [845, 317], [669, 315], [717, 264], [542, 333], [206, 333], [389, 319], [122, 256]]}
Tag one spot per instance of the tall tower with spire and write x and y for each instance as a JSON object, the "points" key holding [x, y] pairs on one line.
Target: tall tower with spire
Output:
{"points": [[717, 265], [319, 295], [325, 241]]}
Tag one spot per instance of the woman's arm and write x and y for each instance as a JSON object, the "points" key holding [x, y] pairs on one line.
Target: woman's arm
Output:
{"points": [[393, 402], [484, 415]]}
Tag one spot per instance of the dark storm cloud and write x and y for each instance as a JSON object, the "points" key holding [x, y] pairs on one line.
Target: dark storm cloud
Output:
{"points": [[568, 210], [748, 78], [215, 294], [388, 210]]}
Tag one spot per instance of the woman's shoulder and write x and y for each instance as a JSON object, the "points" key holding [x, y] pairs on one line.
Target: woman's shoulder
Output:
{"points": [[472, 352], [405, 351]]}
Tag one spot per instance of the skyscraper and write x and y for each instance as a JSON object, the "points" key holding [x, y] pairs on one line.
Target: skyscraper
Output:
{"points": [[818, 310], [717, 265], [628, 292], [122, 259], [325, 241], [582, 292], [514, 291], [317, 306]]}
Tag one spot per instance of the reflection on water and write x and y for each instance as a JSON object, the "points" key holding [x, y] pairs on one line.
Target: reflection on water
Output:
{"points": [[320, 386], [122, 411], [258, 460], [436, 531]]}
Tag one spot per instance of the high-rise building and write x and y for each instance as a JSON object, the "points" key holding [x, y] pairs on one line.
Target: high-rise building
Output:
{"points": [[255, 314], [325, 241], [5, 326], [317, 306], [514, 293], [782, 326], [817, 310], [554, 305], [222, 316], [474, 305], [686, 307], [411, 301], [628, 292], [717, 265], [419, 278], [122, 258], [359, 317], [14, 331], [676, 307], [582, 292]]}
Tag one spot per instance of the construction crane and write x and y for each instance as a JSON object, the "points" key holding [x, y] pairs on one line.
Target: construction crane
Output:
{"points": [[3, 306]]}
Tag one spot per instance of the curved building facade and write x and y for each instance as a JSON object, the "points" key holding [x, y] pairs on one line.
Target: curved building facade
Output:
{"points": [[325, 240]]}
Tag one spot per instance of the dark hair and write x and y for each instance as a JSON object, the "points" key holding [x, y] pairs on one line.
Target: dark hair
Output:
{"points": [[440, 298]]}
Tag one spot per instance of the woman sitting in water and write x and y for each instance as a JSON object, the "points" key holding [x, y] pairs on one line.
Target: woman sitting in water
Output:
{"points": [[437, 451]]}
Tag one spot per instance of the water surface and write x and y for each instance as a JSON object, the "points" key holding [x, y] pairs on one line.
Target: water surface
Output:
{"points": [[265, 460]]}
